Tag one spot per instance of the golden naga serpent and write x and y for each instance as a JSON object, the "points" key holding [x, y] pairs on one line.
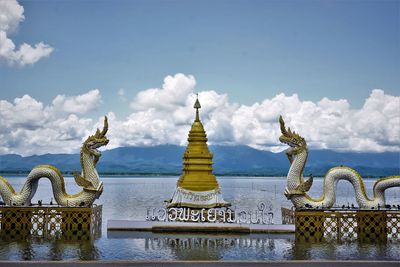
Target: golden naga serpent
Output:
{"points": [[88, 179], [296, 186]]}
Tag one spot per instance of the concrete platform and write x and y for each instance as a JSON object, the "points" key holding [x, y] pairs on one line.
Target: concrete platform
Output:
{"points": [[127, 225]]}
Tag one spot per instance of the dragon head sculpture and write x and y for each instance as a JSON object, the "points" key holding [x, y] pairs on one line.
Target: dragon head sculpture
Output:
{"points": [[96, 141], [90, 155], [296, 186], [290, 138]]}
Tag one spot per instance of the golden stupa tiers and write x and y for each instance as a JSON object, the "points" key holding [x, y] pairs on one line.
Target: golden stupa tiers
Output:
{"points": [[197, 187]]}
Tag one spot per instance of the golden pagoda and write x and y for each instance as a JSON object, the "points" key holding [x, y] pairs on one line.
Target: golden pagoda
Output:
{"points": [[197, 187]]}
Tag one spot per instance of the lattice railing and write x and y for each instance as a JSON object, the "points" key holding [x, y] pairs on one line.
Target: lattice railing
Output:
{"points": [[393, 224], [50, 221], [348, 225]]}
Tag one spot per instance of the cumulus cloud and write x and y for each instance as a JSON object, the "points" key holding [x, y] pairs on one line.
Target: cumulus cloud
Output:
{"points": [[78, 104], [24, 112], [30, 127], [11, 14], [164, 116], [327, 124], [174, 93]]}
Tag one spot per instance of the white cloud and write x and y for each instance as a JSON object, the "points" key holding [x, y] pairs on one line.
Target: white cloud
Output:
{"points": [[325, 124], [78, 104], [30, 127], [11, 14], [164, 116], [173, 94], [25, 112], [378, 122]]}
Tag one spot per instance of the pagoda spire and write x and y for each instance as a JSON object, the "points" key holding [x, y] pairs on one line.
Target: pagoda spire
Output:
{"points": [[197, 186], [197, 106]]}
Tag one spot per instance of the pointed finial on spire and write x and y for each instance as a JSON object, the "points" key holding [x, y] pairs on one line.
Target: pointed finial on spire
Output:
{"points": [[197, 106]]}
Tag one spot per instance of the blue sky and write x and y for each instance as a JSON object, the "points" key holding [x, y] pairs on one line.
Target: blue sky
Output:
{"points": [[249, 50]]}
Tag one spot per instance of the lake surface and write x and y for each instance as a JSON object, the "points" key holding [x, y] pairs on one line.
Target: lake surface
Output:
{"points": [[129, 197]]}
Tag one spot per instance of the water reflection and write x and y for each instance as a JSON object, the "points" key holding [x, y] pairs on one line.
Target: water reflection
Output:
{"points": [[179, 246], [30, 248], [334, 249], [209, 246], [84, 250]]}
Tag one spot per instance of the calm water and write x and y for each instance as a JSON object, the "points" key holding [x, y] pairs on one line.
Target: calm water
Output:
{"points": [[128, 198]]}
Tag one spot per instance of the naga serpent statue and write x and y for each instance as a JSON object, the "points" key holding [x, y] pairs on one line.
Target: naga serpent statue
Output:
{"points": [[88, 179], [296, 186]]}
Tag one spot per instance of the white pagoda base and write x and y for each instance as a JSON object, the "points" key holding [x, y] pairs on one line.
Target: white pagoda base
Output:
{"points": [[193, 199]]}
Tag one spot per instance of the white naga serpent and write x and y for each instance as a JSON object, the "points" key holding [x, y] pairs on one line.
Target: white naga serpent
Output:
{"points": [[88, 179], [296, 186]]}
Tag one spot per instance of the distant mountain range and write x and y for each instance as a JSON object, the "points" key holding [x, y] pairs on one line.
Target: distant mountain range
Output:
{"points": [[228, 160]]}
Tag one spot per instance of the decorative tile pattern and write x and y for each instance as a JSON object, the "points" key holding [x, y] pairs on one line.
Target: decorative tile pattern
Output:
{"points": [[348, 225], [49, 222]]}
